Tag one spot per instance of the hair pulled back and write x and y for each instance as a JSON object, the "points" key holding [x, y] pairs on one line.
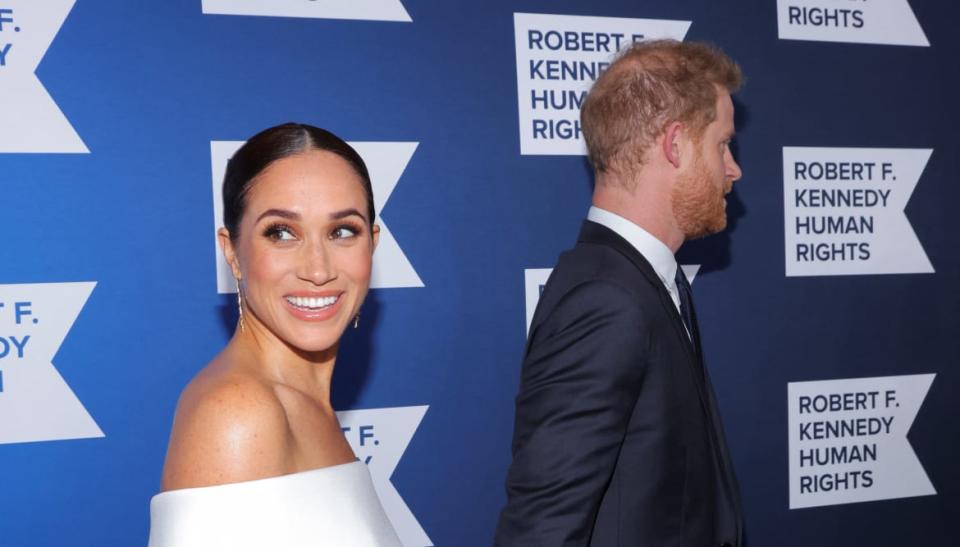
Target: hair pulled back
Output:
{"points": [[274, 144]]}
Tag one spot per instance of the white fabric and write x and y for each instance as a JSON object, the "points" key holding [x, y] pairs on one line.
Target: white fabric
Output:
{"points": [[655, 251], [335, 506]]}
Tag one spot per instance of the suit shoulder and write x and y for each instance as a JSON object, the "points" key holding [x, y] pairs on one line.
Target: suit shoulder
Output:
{"points": [[599, 309], [596, 262], [598, 274], [599, 297]]}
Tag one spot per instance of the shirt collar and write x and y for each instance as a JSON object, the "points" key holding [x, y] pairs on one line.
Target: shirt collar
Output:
{"points": [[655, 251]]}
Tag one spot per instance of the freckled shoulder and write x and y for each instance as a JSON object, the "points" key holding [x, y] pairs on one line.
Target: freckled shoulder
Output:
{"points": [[229, 427]]}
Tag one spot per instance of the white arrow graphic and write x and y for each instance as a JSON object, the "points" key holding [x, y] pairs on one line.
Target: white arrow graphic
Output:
{"points": [[844, 211], [35, 402], [385, 162], [848, 440], [379, 437], [691, 271], [30, 121], [889, 22], [369, 10], [533, 281]]}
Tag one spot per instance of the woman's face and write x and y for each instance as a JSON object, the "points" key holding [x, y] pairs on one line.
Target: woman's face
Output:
{"points": [[305, 249]]}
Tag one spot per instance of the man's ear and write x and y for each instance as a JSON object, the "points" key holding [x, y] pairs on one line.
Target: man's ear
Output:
{"points": [[229, 253], [670, 141]]}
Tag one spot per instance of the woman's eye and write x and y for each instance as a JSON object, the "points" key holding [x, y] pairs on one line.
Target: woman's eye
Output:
{"points": [[344, 232], [280, 232]]}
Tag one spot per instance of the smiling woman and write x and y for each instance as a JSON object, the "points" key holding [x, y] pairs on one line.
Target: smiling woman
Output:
{"points": [[256, 455]]}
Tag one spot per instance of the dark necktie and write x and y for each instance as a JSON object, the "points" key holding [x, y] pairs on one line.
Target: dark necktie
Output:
{"points": [[686, 308]]}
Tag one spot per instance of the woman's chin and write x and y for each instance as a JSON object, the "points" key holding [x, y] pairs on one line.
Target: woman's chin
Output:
{"points": [[315, 343]]}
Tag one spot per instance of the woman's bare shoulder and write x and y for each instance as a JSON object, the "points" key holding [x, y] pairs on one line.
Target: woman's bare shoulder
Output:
{"points": [[229, 427]]}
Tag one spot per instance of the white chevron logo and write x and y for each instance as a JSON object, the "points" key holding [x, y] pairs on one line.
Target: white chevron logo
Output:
{"points": [[379, 437], [30, 121], [368, 10], [36, 404]]}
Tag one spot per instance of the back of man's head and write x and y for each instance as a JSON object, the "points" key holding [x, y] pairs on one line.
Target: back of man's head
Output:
{"points": [[650, 85]]}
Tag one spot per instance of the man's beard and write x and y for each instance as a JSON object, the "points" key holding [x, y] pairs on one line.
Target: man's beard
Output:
{"points": [[698, 202]]}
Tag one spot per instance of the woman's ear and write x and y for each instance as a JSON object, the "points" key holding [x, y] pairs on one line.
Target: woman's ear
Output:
{"points": [[229, 253], [375, 232]]}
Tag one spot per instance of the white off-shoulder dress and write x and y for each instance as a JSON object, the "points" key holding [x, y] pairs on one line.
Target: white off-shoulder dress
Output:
{"points": [[335, 506]]}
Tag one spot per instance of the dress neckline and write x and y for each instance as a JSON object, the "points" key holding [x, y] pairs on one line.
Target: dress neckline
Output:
{"points": [[276, 478]]}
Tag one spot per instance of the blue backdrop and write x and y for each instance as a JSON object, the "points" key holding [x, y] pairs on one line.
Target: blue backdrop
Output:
{"points": [[148, 85]]}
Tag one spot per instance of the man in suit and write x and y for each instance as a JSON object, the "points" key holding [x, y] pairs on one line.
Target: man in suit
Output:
{"points": [[617, 438]]}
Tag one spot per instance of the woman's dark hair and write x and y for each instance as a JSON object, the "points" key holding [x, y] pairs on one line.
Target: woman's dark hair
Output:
{"points": [[274, 144]]}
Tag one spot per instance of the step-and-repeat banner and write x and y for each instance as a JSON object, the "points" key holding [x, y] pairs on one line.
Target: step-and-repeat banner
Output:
{"points": [[828, 307]]}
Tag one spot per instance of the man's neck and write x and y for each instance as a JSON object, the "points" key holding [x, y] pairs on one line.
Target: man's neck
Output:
{"points": [[648, 206]]}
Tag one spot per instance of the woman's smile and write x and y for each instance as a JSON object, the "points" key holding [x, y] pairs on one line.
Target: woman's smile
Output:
{"points": [[316, 307]]}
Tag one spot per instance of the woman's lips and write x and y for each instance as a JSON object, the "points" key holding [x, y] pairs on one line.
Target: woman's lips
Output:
{"points": [[313, 307]]}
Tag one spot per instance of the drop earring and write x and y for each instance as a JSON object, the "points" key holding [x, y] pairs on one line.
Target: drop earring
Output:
{"points": [[356, 320], [240, 304]]}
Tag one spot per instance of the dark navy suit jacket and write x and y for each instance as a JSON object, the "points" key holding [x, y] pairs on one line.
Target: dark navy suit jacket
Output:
{"points": [[617, 439]]}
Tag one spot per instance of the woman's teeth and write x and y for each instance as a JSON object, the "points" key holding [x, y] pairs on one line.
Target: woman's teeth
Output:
{"points": [[312, 303]]}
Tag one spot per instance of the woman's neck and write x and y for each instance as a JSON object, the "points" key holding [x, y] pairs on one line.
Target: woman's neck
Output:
{"points": [[281, 363]]}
